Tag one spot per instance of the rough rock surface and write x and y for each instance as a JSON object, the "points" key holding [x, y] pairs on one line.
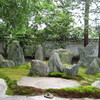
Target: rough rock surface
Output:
{"points": [[71, 70], [90, 48], [39, 68], [1, 58], [39, 53], [94, 68], [3, 88], [96, 84], [15, 53], [54, 63], [7, 63], [65, 55], [85, 59]]}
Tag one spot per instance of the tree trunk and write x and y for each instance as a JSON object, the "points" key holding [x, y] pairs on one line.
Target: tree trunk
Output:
{"points": [[86, 22], [99, 47]]}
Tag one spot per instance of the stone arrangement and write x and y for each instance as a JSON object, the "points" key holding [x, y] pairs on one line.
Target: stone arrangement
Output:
{"points": [[87, 59], [1, 58], [6, 63], [39, 68], [15, 53], [54, 63], [94, 68], [39, 53], [72, 70], [65, 55]]}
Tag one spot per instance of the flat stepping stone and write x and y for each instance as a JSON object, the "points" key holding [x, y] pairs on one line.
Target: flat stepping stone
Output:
{"points": [[47, 82]]}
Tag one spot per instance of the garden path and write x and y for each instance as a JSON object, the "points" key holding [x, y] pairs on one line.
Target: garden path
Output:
{"points": [[40, 98]]}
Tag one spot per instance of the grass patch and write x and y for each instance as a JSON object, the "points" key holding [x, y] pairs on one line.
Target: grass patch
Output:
{"points": [[16, 72], [64, 75], [89, 78]]}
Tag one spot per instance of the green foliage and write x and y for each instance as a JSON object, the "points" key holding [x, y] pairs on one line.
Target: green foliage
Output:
{"points": [[16, 72]]}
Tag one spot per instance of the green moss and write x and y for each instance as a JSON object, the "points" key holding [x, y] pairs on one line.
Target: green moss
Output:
{"points": [[16, 72], [82, 89], [76, 92], [64, 75], [86, 77]]}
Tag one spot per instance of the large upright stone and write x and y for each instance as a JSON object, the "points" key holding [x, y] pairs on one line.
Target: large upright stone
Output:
{"points": [[90, 48], [7, 63], [71, 70], [3, 88], [39, 53], [54, 63], [85, 57], [65, 55], [15, 53], [1, 58], [94, 68], [39, 68]]}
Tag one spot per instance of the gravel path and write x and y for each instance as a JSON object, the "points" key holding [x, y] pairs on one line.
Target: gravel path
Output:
{"points": [[47, 82], [40, 98]]}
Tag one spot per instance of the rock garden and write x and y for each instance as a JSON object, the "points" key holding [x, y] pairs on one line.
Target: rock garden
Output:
{"points": [[56, 77]]}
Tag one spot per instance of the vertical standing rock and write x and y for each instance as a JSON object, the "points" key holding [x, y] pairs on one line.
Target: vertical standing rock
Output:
{"points": [[55, 64], [15, 53], [39, 53], [1, 58], [72, 70], [65, 55], [94, 68]]}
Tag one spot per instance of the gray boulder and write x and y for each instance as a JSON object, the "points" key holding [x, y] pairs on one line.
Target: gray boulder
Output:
{"points": [[94, 68], [3, 88], [1, 58], [85, 59], [96, 84], [39, 53], [72, 70], [7, 63], [90, 48], [15, 53], [39, 68], [54, 63], [65, 55]]}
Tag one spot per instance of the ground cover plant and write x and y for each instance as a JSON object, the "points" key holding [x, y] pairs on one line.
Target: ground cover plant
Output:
{"points": [[14, 74]]}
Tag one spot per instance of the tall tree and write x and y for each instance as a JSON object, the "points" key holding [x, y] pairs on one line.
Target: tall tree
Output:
{"points": [[86, 22]]}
